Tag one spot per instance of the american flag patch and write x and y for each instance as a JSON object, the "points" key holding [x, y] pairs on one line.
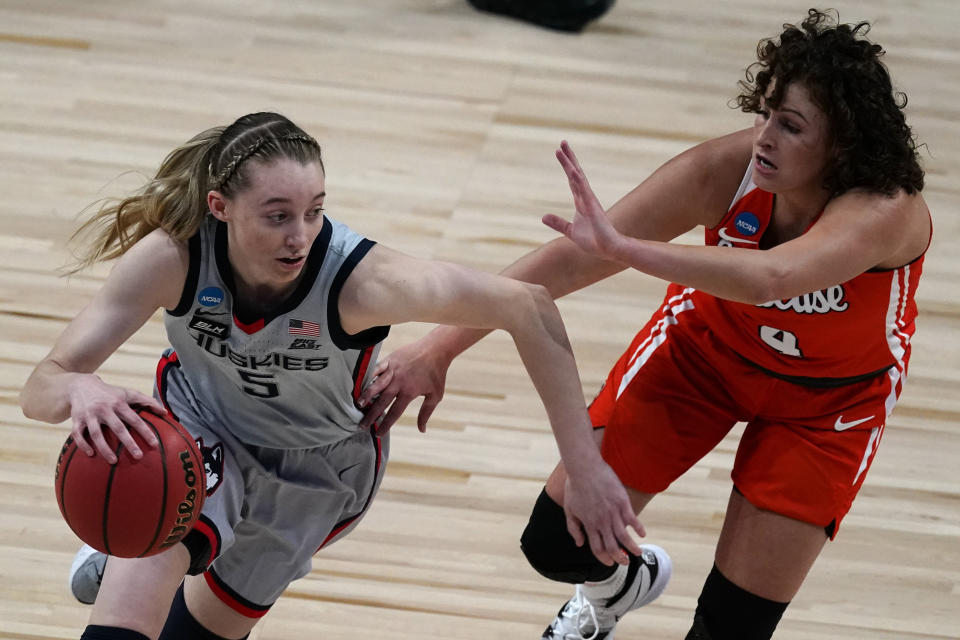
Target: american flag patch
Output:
{"points": [[304, 328]]}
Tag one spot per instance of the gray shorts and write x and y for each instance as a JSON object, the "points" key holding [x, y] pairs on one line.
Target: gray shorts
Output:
{"points": [[268, 511]]}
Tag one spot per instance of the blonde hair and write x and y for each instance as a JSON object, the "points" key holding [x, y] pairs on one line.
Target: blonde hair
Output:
{"points": [[175, 200]]}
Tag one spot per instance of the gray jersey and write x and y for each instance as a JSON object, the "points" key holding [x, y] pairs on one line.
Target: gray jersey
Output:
{"points": [[286, 381]]}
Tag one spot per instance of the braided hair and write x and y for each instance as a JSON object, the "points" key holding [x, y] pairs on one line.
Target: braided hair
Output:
{"points": [[175, 200], [263, 136]]}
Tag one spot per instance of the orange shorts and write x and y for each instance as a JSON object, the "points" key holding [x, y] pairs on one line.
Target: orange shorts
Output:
{"points": [[677, 391]]}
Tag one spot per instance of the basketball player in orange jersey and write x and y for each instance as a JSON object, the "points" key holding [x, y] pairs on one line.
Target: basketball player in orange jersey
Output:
{"points": [[796, 318], [275, 314]]}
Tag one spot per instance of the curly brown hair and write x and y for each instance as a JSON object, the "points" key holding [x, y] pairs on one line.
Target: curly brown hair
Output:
{"points": [[873, 147]]}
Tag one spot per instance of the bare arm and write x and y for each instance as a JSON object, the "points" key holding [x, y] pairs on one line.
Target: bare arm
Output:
{"points": [[388, 288], [63, 385], [852, 236], [691, 189]]}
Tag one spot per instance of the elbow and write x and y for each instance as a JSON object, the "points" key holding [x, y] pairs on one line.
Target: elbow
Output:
{"points": [[540, 299], [540, 294], [773, 284], [536, 326], [768, 284], [531, 305]]}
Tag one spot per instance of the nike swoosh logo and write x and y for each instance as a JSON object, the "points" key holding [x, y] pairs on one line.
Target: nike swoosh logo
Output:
{"points": [[722, 232], [340, 474], [840, 425]]}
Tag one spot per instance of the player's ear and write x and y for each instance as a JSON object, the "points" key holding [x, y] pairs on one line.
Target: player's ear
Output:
{"points": [[217, 204]]}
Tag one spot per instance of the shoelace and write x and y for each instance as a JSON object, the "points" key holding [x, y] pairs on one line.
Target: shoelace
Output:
{"points": [[584, 610]]}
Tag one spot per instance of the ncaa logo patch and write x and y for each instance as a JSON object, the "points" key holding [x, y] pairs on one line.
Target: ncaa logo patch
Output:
{"points": [[210, 297], [747, 224]]}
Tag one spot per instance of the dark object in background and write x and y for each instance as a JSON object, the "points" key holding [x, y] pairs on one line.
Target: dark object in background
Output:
{"points": [[562, 15]]}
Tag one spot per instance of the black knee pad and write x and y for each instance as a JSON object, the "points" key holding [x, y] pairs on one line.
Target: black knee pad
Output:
{"points": [[728, 612], [181, 625], [97, 632], [202, 549], [552, 552]]}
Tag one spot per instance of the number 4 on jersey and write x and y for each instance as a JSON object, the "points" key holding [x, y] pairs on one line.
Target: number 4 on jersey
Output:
{"points": [[781, 340]]}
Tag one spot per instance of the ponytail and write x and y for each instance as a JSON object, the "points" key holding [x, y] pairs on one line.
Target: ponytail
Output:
{"points": [[175, 200]]}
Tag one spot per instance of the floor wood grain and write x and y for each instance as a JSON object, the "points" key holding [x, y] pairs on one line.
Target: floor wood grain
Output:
{"points": [[438, 124]]}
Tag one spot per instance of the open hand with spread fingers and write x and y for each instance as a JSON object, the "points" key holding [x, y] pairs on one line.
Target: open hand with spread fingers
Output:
{"points": [[590, 229]]}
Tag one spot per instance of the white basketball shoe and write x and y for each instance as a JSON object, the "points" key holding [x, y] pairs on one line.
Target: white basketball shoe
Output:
{"points": [[86, 572], [583, 619]]}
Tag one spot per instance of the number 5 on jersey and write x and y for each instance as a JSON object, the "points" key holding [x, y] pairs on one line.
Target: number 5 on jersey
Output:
{"points": [[261, 384]]}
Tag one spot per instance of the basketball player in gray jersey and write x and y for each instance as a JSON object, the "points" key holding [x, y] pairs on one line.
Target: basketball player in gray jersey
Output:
{"points": [[291, 366], [275, 314]]}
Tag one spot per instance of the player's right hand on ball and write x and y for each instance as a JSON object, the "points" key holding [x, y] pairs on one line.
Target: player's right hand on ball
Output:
{"points": [[96, 405]]}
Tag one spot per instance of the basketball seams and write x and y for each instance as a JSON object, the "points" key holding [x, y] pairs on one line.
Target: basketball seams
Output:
{"points": [[108, 507], [192, 446], [61, 482], [105, 532], [163, 500]]}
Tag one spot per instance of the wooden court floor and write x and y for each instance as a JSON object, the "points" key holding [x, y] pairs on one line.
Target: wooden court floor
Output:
{"points": [[438, 126]]}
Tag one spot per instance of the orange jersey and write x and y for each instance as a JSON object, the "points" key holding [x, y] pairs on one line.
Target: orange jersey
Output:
{"points": [[845, 332]]}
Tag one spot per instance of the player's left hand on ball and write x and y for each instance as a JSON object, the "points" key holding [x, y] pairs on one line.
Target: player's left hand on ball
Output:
{"points": [[95, 406]]}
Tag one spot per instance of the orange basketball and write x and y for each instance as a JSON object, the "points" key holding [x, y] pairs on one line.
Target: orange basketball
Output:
{"points": [[133, 508]]}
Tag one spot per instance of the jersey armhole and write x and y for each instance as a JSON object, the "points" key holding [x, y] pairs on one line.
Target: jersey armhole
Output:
{"points": [[193, 276], [344, 340], [746, 186]]}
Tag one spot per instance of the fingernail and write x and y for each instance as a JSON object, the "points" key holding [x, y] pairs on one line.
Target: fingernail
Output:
{"points": [[136, 453]]}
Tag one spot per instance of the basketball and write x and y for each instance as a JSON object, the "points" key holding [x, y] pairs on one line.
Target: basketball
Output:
{"points": [[133, 508]]}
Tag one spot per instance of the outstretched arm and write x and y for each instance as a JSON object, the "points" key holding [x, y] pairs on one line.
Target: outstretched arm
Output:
{"points": [[691, 189], [850, 237], [388, 288]]}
